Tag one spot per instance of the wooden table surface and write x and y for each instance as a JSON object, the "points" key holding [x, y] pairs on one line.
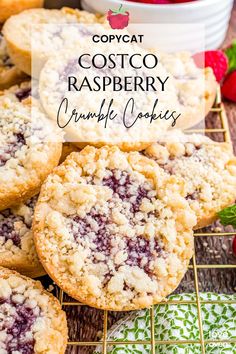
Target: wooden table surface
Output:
{"points": [[85, 323]]}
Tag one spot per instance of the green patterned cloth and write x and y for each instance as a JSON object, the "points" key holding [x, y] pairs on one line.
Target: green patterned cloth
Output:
{"points": [[179, 322]]}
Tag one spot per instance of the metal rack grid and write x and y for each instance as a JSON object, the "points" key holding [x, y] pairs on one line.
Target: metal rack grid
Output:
{"points": [[219, 109]]}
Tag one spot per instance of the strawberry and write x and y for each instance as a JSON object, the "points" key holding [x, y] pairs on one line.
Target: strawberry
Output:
{"points": [[118, 19], [229, 87], [216, 59], [234, 245]]}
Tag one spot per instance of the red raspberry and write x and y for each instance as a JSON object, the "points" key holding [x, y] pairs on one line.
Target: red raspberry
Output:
{"points": [[229, 87], [215, 59]]}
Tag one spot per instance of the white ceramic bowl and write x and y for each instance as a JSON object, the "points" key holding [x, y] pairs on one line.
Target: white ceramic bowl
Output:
{"points": [[214, 14]]}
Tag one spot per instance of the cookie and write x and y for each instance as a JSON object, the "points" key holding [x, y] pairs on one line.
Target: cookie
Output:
{"points": [[9, 73], [178, 322], [208, 168], [31, 319], [29, 150], [17, 250], [13, 7], [17, 32], [196, 87], [112, 230]]}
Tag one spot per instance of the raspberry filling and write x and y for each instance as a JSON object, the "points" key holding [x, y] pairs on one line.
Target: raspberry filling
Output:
{"points": [[140, 252], [31, 204], [122, 185], [7, 227], [8, 220], [4, 58], [193, 196], [18, 320], [68, 70], [23, 94], [97, 229], [7, 61], [16, 143]]}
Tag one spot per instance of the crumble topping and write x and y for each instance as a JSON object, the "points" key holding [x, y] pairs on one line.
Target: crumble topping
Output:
{"points": [[124, 207]]}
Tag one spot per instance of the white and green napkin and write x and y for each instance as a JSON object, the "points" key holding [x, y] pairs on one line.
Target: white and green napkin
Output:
{"points": [[179, 322]]}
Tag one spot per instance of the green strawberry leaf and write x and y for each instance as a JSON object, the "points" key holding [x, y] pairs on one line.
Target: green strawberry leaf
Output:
{"points": [[228, 216], [231, 54], [120, 11]]}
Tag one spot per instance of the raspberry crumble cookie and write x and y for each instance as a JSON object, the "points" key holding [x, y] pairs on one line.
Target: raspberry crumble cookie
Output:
{"points": [[208, 168], [113, 230], [17, 250], [31, 320], [18, 30], [30, 148], [9, 73]]}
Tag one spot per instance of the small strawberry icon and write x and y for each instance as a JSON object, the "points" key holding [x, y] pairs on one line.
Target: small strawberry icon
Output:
{"points": [[118, 19]]}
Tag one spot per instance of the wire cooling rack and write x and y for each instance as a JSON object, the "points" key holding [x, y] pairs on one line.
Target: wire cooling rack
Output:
{"points": [[195, 267]]}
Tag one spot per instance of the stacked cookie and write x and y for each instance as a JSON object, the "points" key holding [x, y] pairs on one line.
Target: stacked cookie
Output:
{"points": [[31, 319], [31, 146], [30, 149], [111, 225]]}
